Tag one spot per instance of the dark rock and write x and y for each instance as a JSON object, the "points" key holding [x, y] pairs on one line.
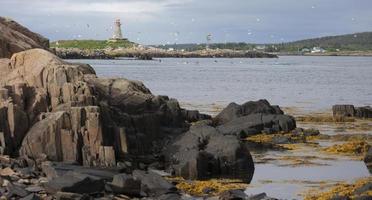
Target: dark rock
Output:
{"points": [[366, 187], [363, 112], [16, 190], [34, 189], [70, 196], [194, 115], [343, 110], [208, 190], [282, 139], [153, 184], [75, 183], [55, 169], [169, 196], [258, 122], [311, 132], [351, 111], [125, 184], [233, 195], [203, 153], [363, 197], [234, 110], [368, 159], [340, 198], [31, 197], [261, 196]]}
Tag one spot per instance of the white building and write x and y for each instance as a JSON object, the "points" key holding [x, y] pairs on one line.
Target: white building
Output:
{"points": [[318, 50]]}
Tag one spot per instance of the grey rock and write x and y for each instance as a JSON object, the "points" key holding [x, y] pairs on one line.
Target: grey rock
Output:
{"points": [[203, 152], [153, 184], [57, 169], [31, 197], [233, 195], [125, 184], [34, 189], [70, 196], [363, 112], [234, 110], [16, 190], [343, 110], [75, 183]]}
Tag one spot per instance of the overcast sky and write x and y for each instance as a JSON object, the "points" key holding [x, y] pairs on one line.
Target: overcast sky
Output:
{"points": [[186, 21]]}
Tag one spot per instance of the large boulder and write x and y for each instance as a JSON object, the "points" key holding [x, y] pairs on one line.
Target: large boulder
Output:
{"points": [[204, 152], [15, 38], [352, 111], [63, 111], [343, 110], [253, 117], [233, 110]]}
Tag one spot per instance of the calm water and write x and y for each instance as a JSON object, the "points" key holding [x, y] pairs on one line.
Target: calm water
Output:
{"points": [[311, 83]]}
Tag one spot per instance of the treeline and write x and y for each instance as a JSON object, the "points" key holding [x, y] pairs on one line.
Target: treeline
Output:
{"points": [[349, 42]]}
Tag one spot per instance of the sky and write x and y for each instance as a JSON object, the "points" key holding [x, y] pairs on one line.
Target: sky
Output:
{"points": [[190, 21]]}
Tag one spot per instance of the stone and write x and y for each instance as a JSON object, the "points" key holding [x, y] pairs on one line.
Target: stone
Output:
{"points": [[7, 172], [31, 197], [75, 183], [55, 169], [234, 110], [204, 152], [153, 184], [363, 112], [70, 196], [256, 123], [125, 184], [15, 38], [343, 110], [368, 160], [233, 195], [194, 115], [16, 190], [34, 189]]}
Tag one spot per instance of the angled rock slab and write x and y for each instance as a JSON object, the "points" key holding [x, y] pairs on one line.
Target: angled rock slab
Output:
{"points": [[75, 183]]}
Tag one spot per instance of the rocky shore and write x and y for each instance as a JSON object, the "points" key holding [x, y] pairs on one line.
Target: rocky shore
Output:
{"points": [[149, 53], [67, 134], [54, 111]]}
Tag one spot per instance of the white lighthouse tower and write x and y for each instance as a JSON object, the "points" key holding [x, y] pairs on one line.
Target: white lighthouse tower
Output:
{"points": [[117, 34], [117, 30]]}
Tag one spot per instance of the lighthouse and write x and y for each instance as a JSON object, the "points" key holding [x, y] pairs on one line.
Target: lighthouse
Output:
{"points": [[117, 35]]}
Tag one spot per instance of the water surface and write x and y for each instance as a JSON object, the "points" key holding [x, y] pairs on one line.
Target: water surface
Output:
{"points": [[311, 83]]}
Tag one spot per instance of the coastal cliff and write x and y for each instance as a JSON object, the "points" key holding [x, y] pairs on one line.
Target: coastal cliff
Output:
{"points": [[15, 38]]}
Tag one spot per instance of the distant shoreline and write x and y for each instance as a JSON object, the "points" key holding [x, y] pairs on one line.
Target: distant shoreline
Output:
{"points": [[341, 53], [149, 54]]}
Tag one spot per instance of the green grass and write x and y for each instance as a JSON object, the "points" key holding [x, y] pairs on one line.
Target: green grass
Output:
{"points": [[92, 44]]}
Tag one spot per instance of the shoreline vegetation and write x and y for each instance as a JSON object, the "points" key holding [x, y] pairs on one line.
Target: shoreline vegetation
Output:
{"points": [[111, 49], [101, 49]]}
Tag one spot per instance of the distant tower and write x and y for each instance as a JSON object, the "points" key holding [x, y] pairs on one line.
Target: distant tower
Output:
{"points": [[117, 30], [209, 39]]}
